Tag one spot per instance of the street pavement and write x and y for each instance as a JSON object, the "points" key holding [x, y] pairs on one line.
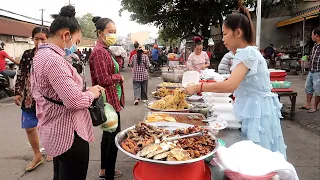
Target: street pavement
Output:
{"points": [[15, 151]]}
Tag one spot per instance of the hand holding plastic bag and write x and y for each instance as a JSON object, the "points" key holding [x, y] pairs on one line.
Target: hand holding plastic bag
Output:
{"points": [[112, 117]]}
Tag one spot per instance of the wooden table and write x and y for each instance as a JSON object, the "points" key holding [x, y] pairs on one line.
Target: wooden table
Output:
{"points": [[293, 99]]}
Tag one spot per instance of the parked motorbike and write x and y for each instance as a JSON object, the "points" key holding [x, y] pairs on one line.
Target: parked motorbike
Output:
{"points": [[7, 83], [155, 66]]}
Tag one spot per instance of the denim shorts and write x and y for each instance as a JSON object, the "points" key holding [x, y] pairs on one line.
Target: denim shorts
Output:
{"points": [[313, 83], [29, 120]]}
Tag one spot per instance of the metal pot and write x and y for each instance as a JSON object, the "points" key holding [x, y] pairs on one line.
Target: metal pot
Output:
{"points": [[172, 75]]}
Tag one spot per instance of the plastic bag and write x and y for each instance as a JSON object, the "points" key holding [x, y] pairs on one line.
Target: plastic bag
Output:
{"points": [[112, 117]]}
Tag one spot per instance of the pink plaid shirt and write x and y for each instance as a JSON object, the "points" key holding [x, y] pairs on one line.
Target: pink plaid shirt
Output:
{"points": [[140, 72], [54, 77]]}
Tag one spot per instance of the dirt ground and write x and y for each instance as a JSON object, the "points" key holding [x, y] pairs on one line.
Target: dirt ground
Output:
{"points": [[309, 121]]}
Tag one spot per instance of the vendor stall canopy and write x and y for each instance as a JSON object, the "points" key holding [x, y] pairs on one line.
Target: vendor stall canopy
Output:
{"points": [[303, 15]]}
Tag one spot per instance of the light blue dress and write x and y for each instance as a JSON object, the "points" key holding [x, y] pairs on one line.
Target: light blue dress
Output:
{"points": [[255, 104]]}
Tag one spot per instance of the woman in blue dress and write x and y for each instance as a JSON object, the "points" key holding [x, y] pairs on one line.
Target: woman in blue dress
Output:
{"points": [[255, 105]]}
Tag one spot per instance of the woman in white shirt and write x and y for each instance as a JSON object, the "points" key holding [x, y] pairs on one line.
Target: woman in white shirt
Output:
{"points": [[198, 60]]}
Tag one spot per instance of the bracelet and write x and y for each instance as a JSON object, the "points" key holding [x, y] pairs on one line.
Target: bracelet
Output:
{"points": [[201, 87]]}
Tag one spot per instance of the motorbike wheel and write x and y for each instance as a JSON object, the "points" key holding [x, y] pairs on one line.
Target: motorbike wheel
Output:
{"points": [[3, 93], [151, 70]]}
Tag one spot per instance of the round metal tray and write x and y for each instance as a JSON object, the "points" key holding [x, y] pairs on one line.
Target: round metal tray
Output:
{"points": [[154, 96], [168, 110], [121, 136]]}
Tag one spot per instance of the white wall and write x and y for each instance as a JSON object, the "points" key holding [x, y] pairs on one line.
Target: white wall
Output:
{"points": [[16, 49]]}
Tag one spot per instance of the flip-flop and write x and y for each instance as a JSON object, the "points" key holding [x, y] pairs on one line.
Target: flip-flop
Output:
{"points": [[313, 110], [117, 173], [35, 166], [303, 107], [49, 158]]}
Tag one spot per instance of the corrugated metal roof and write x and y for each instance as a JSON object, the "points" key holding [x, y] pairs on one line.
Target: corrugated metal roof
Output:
{"points": [[13, 15], [16, 28], [18, 25]]}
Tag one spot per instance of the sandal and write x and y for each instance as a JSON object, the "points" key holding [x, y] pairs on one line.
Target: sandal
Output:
{"points": [[313, 110], [117, 174], [303, 107], [31, 168], [49, 158]]}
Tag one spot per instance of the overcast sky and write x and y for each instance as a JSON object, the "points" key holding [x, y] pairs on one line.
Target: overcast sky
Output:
{"points": [[103, 8]]}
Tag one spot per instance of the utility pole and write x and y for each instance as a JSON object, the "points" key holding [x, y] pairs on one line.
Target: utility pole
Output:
{"points": [[42, 16], [70, 3], [258, 11]]}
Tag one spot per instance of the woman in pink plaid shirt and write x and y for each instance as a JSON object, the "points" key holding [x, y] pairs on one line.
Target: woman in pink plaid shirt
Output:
{"points": [[140, 65]]}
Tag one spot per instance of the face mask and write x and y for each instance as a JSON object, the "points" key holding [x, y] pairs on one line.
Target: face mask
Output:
{"points": [[111, 39], [70, 50]]}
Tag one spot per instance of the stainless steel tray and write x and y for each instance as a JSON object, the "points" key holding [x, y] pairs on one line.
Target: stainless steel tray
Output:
{"points": [[170, 87], [173, 113], [121, 136], [168, 110]]}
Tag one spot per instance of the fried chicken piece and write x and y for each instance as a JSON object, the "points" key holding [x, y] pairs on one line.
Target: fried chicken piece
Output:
{"points": [[130, 146]]}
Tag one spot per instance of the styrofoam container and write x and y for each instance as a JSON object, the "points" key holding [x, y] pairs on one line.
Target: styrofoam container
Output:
{"points": [[221, 94], [234, 125], [228, 117], [222, 100], [190, 77], [222, 105], [221, 108]]}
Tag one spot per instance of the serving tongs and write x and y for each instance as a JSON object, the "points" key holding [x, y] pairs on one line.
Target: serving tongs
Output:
{"points": [[184, 136]]}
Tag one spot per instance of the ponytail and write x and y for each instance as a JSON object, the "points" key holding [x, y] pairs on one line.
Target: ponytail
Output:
{"points": [[139, 56], [242, 20]]}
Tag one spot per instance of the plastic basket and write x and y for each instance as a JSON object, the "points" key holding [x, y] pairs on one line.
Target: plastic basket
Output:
{"points": [[237, 176]]}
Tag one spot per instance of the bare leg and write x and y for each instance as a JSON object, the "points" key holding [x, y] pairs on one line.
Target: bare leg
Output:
{"points": [[308, 101], [316, 102], [34, 142]]}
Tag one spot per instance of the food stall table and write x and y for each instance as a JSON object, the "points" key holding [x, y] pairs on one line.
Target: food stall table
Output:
{"points": [[293, 98], [229, 136]]}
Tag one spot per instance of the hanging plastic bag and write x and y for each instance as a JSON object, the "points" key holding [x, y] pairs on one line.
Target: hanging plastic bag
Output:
{"points": [[112, 117]]}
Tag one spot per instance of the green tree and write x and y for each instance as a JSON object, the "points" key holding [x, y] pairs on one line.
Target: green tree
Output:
{"points": [[165, 38], [180, 17], [87, 26]]}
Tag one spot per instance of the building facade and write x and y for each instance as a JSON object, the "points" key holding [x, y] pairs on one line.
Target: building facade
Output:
{"points": [[284, 28]]}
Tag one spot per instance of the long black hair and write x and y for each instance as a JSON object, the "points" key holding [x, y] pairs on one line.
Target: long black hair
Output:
{"points": [[101, 23], [65, 19], [139, 56], [40, 29], [241, 20]]}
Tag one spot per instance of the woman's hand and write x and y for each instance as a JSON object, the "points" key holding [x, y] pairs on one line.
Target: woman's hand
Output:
{"points": [[205, 66], [17, 100], [96, 90], [193, 89]]}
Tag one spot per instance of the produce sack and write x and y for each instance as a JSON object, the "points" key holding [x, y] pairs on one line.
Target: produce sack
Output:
{"points": [[112, 117]]}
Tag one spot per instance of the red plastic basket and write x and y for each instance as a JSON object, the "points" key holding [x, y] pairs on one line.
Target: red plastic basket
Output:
{"points": [[278, 76], [237, 176]]}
